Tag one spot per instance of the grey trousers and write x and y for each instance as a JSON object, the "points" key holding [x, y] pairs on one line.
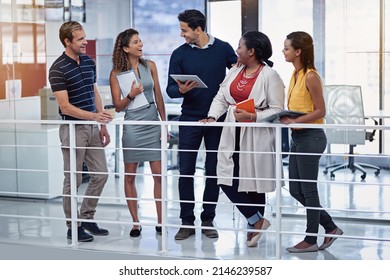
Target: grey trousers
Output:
{"points": [[87, 136]]}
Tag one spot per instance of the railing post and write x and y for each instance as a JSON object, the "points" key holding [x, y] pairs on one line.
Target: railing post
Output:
{"points": [[164, 199], [73, 181], [117, 146], [279, 178]]}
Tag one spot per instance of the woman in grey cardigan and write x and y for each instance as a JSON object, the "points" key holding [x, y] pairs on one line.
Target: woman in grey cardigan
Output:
{"points": [[247, 152]]}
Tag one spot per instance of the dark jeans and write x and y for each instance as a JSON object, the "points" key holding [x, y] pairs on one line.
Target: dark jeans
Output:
{"points": [[305, 167], [243, 197], [190, 138]]}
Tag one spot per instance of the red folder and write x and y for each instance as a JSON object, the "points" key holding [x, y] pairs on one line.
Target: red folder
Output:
{"points": [[247, 105]]}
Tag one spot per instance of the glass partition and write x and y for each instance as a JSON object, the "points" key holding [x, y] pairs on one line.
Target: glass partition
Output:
{"points": [[157, 23], [351, 47]]}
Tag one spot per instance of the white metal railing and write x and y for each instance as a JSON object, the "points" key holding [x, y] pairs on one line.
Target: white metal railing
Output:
{"points": [[278, 207]]}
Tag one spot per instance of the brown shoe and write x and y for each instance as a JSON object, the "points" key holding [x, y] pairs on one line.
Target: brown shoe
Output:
{"points": [[184, 233], [210, 232]]}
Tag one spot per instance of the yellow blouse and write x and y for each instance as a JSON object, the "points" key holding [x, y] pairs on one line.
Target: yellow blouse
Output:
{"points": [[299, 98]]}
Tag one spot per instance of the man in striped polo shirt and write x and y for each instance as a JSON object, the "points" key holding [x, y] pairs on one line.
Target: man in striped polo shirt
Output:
{"points": [[73, 81]]}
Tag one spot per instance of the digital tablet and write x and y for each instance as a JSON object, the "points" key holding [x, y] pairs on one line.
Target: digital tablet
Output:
{"points": [[285, 113], [184, 78]]}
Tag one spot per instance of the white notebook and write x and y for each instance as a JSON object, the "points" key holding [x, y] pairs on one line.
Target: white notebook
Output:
{"points": [[125, 80]]}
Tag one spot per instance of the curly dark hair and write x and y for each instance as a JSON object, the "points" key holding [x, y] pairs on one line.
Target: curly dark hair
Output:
{"points": [[303, 41], [120, 61]]}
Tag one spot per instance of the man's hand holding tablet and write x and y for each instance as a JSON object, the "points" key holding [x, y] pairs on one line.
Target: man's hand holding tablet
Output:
{"points": [[188, 82]]}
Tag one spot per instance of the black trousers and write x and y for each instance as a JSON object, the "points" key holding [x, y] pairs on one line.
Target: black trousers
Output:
{"points": [[243, 197], [305, 167]]}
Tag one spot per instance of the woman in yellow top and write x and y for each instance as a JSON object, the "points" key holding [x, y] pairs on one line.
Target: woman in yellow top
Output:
{"points": [[305, 95]]}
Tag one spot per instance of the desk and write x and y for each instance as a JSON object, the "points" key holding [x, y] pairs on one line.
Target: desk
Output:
{"points": [[380, 115], [18, 156]]}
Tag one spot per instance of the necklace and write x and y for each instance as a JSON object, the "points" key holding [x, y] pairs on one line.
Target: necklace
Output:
{"points": [[244, 78]]}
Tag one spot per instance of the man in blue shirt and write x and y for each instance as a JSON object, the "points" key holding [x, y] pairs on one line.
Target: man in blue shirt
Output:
{"points": [[209, 58], [73, 81]]}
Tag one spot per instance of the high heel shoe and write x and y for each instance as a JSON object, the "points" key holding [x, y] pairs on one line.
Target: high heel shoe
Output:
{"points": [[135, 232], [158, 229], [256, 235]]}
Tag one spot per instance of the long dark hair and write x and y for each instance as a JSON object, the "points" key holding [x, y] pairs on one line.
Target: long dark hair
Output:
{"points": [[120, 61], [303, 41], [261, 44]]}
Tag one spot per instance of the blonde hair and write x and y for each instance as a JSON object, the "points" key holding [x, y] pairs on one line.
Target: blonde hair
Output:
{"points": [[66, 30]]}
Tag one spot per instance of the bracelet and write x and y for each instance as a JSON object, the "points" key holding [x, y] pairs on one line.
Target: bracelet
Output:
{"points": [[129, 97]]}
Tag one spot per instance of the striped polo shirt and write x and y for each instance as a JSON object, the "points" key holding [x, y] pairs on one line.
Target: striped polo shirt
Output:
{"points": [[77, 79]]}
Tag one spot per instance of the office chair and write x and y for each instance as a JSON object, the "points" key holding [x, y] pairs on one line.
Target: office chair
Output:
{"points": [[173, 141], [285, 145], [344, 105]]}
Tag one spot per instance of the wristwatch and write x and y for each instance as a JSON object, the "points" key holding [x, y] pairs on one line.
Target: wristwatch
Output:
{"points": [[129, 97]]}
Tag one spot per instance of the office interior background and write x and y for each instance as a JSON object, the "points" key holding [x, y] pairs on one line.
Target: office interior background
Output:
{"points": [[351, 40]]}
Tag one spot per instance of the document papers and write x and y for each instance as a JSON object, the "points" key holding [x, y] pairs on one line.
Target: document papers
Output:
{"points": [[125, 80], [285, 113], [184, 78]]}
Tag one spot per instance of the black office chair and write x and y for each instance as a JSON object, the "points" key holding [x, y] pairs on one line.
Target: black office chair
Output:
{"points": [[344, 105], [285, 145], [172, 142]]}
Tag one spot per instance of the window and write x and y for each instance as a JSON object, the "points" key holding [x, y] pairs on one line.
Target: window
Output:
{"points": [[350, 50], [157, 23]]}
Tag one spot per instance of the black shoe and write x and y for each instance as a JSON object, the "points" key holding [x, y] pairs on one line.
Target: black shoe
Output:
{"points": [[81, 234], [93, 228], [158, 229], [135, 232]]}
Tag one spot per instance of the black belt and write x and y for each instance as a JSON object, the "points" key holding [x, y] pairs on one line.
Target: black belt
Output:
{"points": [[66, 118]]}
